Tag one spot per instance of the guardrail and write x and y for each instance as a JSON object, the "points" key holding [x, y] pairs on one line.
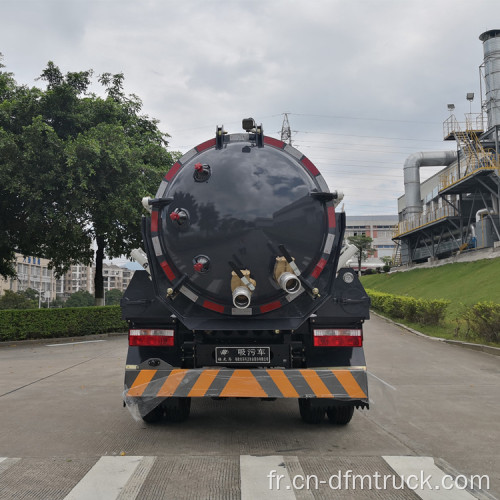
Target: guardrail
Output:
{"points": [[423, 220]]}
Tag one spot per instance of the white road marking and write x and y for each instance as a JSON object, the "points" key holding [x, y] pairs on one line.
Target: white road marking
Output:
{"points": [[421, 468], [106, 479], [383, 381], [256, 480], [2, 459], [74, 343]]}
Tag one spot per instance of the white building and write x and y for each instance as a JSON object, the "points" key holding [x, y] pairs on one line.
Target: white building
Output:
{"points": [[378, 227]]}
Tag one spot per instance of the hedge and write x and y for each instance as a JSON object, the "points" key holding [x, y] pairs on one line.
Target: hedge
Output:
{"points": [[65, 322], [422, 311], [483, 320]]}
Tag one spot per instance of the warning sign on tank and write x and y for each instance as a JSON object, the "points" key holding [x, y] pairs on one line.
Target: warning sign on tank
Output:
{"points": [[238, 355]]}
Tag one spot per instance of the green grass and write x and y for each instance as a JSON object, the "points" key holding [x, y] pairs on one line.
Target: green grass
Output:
{"points": [[463, 283]]}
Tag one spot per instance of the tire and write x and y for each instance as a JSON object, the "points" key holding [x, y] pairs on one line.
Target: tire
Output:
{"points": [[155, 415], [177, 409], [309, 413], [340, 415]]}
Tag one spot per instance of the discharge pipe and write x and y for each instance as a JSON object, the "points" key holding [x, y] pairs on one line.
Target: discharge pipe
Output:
{"points": [[289, 282], [242, 297]]}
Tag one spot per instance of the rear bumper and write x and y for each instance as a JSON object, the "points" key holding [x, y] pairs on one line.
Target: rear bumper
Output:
{"points": [[344, 384]]}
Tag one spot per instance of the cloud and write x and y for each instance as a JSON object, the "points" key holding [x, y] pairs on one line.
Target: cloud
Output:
{"points": [[366, 82]]}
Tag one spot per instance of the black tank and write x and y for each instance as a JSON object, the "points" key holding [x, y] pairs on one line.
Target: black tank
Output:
{"points": [[226, 211]]}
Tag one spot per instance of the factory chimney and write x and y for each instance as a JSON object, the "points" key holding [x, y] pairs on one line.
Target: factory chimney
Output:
{"points": [[491, 47]]}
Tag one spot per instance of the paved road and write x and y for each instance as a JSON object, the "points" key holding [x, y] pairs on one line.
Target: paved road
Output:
{"points": [[62, 428]]}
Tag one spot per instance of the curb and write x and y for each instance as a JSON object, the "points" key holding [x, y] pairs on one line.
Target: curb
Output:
{"points": [[59, 340], [494, 351]]}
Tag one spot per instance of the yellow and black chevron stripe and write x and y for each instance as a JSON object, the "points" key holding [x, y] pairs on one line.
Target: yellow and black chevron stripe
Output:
{"points": [[344, 383]]}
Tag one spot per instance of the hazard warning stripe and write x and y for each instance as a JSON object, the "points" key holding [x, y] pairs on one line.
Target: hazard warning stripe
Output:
{"points": [[141, 382], [286, 387], [171, 383], [316, 384], [203, 383], [262, 383], [349, 383]]}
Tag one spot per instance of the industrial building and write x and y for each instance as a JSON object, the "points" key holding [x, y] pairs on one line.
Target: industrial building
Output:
{"points": [[456, 210]]}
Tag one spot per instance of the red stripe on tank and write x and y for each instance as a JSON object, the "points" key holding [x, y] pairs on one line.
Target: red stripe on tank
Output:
{"points": [[168, 271], [274, 142], [310, 166], [319, 268], [270, 307], [154, 221], [205, 145], [213, 306], [331, 217], [173, 171]]}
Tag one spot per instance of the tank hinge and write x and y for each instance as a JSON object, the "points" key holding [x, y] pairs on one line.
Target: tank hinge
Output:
{"points": [[160, 202], [297, 355], [219, 137], [323, 197], [259, 136], [188, 350]]}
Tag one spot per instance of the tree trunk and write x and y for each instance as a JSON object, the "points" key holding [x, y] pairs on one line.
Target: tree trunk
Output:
{"points": [[98, 279]]}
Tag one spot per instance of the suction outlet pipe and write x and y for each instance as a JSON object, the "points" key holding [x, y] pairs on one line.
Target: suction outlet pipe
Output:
{"points": [[242, 297], [289, 282]]}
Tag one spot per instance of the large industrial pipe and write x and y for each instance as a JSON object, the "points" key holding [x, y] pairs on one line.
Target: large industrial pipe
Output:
{"points": [[491, 48], [413, 199]]}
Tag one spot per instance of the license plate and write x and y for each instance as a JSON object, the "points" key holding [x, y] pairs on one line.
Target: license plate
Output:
{"points": [[237, 355]]}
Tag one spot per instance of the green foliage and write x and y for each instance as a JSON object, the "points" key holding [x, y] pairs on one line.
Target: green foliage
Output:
{"points": [[13, 300], [67, 322], [74, 167], [82, 298], [482, 321], [425, 312], [113, 297], [464, 283]]}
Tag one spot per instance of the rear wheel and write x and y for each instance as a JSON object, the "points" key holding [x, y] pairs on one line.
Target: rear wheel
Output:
{"points": [[310, 413], [340, 415], [155, 415], [177, 409]]}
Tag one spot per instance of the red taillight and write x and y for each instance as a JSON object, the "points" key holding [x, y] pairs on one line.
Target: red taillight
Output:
{"points": [[338, 337], [151, 337]]}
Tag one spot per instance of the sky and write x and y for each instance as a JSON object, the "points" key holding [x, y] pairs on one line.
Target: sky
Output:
{"points": [[365, 83]]}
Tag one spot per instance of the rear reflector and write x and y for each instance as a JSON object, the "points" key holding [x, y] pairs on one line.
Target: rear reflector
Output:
{"points": [[339, 337], [151, 337]]}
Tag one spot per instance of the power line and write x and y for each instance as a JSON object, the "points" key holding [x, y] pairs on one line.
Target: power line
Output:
{"points": [[363, 119], [367, 136]]}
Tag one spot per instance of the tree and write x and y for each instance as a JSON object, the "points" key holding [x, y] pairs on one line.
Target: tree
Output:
{"points": [[364, 245], [74, 168], [82, 298], [387, 263], [113, 297], [16, 300]]}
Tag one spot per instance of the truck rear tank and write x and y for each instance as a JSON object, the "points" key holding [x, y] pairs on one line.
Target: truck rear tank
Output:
{"points": [[240, 296]]}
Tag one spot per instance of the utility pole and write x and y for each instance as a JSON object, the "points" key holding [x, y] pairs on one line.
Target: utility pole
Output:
{"points": [[286, 133]]}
